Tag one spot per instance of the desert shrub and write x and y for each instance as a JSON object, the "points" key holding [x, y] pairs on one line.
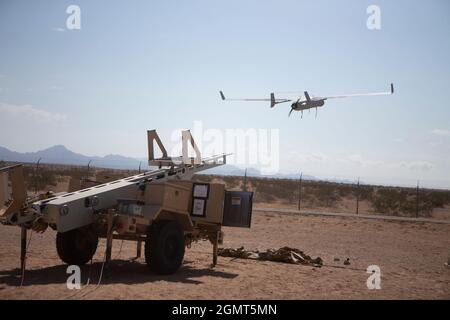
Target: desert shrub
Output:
{"points": [[344, 190], [387, 200], [365, 192], [402, 202], [438, 199], [40, 179]]}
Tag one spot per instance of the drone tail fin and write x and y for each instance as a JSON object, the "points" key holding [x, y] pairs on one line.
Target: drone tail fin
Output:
{"points": [[272, 100], [308, 98]]}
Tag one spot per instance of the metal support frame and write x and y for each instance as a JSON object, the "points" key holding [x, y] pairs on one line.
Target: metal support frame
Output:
{"points": [[151, 137], [23, 248], [187, 136], [165, 159]]}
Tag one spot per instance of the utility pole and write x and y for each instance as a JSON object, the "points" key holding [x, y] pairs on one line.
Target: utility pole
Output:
{"points": [[245, 180], [140, 166], [300, 191], [357, 197], [417, 200]]}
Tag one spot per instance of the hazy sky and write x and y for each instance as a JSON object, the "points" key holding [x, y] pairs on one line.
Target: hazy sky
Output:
{"points": [[141, 65]]}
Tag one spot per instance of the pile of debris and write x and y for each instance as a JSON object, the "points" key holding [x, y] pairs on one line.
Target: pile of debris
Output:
{"points": [[284, 254]]}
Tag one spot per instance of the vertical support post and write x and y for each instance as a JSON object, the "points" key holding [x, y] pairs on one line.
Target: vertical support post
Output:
{"points": [[109, 238], [357, 197], [417, 200], [215, 248], [23, 248], [300, 191], [139, 249]]}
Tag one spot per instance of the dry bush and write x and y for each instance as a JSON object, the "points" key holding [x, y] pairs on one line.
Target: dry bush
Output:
{"points": [[322, 194]]}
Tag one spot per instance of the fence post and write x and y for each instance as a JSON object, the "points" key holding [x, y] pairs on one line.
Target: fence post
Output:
{"points": [[88, 166], [357, 197], [245, 180], [417, 200], [300, 191], [36, 176]]}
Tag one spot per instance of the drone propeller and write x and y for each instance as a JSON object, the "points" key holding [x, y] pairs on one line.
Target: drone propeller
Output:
{"points": [[292, 109]]}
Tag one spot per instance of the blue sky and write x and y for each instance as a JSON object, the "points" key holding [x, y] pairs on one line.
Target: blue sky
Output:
{"points": [[141, 65]]}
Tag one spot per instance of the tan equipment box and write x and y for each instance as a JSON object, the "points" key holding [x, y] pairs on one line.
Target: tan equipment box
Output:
{"points": [[202, 201]]}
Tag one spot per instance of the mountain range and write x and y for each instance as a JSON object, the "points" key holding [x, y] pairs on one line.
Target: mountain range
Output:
{"points": [[59, 154]]}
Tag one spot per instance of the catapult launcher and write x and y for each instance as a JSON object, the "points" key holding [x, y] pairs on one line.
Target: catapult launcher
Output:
{"points": [[162, 208]]}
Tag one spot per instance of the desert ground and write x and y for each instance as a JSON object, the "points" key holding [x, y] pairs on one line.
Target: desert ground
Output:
{"points": [[411, 256]]}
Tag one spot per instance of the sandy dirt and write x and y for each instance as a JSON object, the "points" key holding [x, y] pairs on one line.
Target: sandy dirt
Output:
{"points": [[411, 257]]}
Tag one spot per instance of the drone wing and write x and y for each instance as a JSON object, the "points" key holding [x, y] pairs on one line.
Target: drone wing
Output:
{"points": [[273, 101], [362, 94]]}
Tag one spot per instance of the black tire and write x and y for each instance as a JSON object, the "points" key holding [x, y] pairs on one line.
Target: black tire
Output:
{"points": [[77, 246], [164, 247]]}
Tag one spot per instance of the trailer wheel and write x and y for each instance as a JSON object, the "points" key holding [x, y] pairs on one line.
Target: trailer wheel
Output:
{"points": [[77, 246], [164, 247]]}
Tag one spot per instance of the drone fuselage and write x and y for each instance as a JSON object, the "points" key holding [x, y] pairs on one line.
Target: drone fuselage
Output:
{"points": [[305, 104]]}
